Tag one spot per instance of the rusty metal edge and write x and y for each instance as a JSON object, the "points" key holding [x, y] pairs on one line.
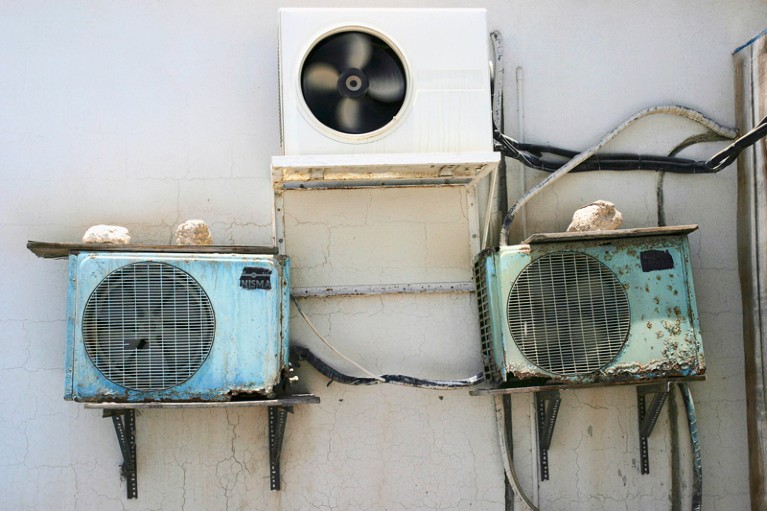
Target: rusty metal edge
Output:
{"points": [[297, 399], [574, 386]]}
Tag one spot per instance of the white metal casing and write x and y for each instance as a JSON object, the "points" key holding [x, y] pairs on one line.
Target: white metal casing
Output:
{"points": [[445, 52], [248, 295]]}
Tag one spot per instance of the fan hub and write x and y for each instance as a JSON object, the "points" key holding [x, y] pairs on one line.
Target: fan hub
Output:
{"points": [[353, 83]]}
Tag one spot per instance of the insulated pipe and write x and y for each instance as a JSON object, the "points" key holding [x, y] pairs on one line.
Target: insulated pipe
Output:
{"points": [[681, 111]]}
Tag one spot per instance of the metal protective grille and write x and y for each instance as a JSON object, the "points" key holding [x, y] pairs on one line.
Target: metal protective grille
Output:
{"points": [[148, 326], [491, 370], [568, 313]]}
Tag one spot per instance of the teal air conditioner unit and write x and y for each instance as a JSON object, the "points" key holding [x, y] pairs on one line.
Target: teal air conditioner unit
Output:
{"points": [[175, 326], [594, 307]]}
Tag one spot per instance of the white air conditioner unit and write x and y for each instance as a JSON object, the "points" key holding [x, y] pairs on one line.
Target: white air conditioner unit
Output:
{"points": [[175, 326], [385, 82]]}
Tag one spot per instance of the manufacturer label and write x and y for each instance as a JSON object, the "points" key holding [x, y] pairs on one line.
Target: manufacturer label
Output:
{"points": [[256, 278]]}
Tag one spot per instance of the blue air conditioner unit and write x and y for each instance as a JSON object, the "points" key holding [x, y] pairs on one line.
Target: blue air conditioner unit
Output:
{"points": [[589, 307], [175, 326]]}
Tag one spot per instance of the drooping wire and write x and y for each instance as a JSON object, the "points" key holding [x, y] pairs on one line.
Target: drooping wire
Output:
{"points": [[397, 379], [582, 157], [697, 460], [301, 353], [327, 343], [505, 442]]}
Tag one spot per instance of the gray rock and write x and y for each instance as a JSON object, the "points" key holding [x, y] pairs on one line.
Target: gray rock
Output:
{"points": [[600, 215], [193, 232], [111, 234]]}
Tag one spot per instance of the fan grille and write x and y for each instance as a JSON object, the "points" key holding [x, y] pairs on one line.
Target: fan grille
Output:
{"points": [[568, 313], [148, 326]]}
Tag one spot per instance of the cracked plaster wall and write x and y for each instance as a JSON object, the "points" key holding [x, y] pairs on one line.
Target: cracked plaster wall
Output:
{"points": [[146, 114]]}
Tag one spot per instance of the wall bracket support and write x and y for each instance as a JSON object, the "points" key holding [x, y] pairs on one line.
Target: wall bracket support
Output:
{"points": [[124, 419], [648, 416], [124, 422], [547, 408], [278, 418]]}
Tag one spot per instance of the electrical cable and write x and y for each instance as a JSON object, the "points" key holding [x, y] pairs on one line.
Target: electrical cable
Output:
{"points": [[730, 153], [503, 424], [688, 113], [697, 460], [302, 353], [397, 379], [531, 154], [327, 343]]}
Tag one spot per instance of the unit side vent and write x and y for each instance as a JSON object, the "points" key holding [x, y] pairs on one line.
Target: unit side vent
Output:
{"points": [[148, 326], [491, 369], [568, 313]]}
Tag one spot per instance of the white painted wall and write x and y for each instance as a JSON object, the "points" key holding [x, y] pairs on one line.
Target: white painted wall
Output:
{"points": [[145, 114]]}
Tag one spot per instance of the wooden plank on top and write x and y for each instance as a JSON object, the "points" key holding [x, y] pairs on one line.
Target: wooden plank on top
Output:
{"points": [[50, 250], [561, 237]]}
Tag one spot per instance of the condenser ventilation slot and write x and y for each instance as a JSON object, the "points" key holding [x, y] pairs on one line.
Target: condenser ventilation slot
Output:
{"points": [[148, 326], [568, 313]]}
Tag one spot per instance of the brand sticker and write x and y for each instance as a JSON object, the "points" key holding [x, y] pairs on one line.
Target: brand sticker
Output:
{"points": [[256, 278]]}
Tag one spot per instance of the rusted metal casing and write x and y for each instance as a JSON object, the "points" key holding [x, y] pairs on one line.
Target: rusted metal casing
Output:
{"points": [[751, 86], [590, 308], [134, 320]]}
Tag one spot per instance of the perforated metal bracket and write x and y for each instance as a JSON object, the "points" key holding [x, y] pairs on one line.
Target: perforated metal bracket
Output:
{"points": [[278, 418], [547, 419], [124, 422], [648, 416]]}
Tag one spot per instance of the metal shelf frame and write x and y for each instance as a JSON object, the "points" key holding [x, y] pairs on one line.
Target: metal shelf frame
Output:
{"points": [[547, 401], [123, 417]]}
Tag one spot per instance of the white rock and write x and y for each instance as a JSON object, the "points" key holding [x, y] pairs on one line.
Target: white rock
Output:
{"points": [[112, 234], [600, 215], [193, 232]]}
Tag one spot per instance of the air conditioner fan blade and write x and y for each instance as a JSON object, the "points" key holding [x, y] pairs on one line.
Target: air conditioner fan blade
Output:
{"points": [[345, 51], [320, 77], [387, 83]]}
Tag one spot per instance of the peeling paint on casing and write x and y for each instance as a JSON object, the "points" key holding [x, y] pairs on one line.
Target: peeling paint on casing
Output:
{"points": [[664, 333], [250, 345]]}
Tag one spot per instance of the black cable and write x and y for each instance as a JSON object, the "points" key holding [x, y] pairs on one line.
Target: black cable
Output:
{"points": [[300, 353], [730, 153], [531, 155]]}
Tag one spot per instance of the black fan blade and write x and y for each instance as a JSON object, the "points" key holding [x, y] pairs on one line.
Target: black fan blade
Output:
{"points": [[363, 115], [344, 51], [386, 77]]}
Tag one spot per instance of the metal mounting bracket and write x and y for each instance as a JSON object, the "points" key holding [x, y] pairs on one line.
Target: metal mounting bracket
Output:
{"points": [[124, 422], [648, 416], [547, 419], [124, 419], [278, 417]]}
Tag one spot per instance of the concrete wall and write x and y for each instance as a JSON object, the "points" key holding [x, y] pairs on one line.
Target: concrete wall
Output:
{"points": [[145, 114]]}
